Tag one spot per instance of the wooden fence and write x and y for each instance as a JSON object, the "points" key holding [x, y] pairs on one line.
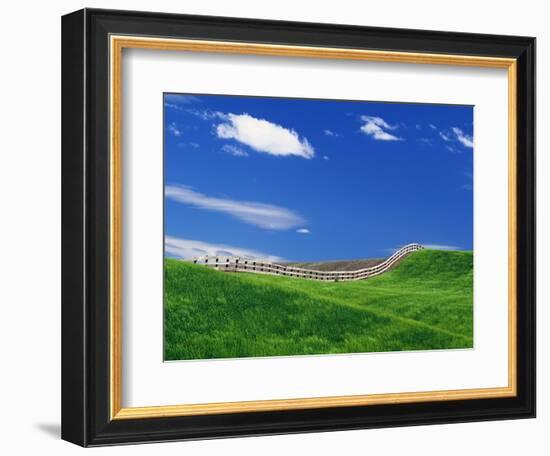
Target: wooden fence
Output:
{"points": [[238, 264]]}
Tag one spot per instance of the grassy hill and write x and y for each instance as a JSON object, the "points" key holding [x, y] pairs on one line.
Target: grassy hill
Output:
{"points": [[424, 303]]}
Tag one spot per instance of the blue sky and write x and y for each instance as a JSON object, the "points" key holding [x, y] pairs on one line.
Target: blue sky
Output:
{"points": [[306, 180]]}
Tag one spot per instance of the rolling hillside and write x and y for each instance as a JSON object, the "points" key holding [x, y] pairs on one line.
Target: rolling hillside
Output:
{"points": [[424, 303]]}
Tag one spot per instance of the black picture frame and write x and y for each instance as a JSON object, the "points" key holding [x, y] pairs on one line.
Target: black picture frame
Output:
{"points": [[85, 225]]}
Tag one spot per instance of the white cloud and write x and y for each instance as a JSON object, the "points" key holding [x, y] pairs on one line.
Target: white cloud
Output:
{"points": [[325, 157], [445, 137], [303, 231], [267, 216], [456, 135], [194, 145], [330, 133], [466, 140], [206, 114], [264, 136], [432, 126], [440, 247], [174, 129], [175, 101], [376, 127], [188, 248], [172, 106], [234, 150]]}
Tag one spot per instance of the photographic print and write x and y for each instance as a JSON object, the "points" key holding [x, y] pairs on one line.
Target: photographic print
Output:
{"points": [[250, 250], [315, 227]]}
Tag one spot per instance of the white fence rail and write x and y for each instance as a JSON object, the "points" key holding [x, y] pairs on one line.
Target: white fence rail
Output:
{"points": [[238, 264]]}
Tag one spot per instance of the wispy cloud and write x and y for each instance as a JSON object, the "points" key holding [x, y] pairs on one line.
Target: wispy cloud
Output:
{"points": [[440, 247], [432, 126], [181, 98], [175, 101], [377, 128], [234, 150], [267, 216], [303, 231], [425, 141], [173, 106], [325, 157], [189, 248], [445, 137], [174, 129], [206, 114], [264, 136], [455, 134], [465, 140], [328, 132]]}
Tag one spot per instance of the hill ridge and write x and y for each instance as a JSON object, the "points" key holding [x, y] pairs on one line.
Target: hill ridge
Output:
{"points": [[237, 264]]}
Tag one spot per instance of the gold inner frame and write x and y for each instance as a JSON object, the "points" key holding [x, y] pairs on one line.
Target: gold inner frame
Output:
{"points": [[117, 44]]}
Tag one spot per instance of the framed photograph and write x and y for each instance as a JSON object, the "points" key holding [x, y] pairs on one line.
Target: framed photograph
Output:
{"points": [[277, 227]]}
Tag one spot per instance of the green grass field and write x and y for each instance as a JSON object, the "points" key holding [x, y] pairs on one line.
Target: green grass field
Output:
{"points": [[424, 303]]}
